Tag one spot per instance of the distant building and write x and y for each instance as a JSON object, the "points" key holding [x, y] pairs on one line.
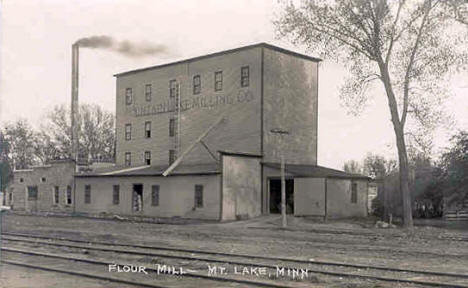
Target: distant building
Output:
{"points": [[225, 106]]}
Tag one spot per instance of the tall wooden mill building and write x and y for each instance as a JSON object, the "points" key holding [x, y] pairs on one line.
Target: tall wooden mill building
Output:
{"points": [[194, 140]]}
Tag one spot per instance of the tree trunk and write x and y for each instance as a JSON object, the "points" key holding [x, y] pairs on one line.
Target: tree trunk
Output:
{"points": [[404, 183], [398, 127]]}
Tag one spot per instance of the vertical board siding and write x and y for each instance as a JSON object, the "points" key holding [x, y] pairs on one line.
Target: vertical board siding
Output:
{"points": [[290, 103]]}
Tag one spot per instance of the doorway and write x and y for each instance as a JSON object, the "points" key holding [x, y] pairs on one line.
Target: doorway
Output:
{"points": [[137, 198], [275, 196]]}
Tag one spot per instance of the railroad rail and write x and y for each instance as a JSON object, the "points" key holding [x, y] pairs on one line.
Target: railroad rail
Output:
{"points": [[405, 275], [356, 247]]}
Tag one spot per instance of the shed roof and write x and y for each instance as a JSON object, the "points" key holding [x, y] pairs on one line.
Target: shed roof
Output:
{"points": [[262, 44], [198, 169], [304, 170]]}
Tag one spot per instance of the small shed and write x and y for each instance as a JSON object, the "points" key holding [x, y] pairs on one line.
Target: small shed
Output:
{"points": [[313, 190]]}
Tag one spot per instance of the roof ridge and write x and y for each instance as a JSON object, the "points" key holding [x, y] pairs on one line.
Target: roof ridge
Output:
{"points": [[214, 54]]}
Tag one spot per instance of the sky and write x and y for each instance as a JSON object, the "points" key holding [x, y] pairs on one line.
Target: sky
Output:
{"points": [[35, 62]]}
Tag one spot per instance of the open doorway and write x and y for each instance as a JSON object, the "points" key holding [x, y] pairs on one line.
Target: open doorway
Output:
{"points": [[275, 196], [137, 198]]}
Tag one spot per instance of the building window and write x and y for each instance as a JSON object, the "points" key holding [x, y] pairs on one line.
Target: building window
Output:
{"points": [[198, 196], [128, 159], [354, 192], [128, 96], [218, 81], [69, 195], [21, 180], [56, 194], [116, 194], [128, 132], [155, 195], [148, 92], [43, 179], [245, 76], [87, 194], [196, 84], [172, 88], [148, 129], [148, 157], [171, 127], [171, 156]]}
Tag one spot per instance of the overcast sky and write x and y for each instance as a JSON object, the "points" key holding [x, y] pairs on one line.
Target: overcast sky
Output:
{"points": [[36, 38]]}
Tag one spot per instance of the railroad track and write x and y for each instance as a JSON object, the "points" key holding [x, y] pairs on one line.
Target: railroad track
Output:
{"points": [[199, 259]]}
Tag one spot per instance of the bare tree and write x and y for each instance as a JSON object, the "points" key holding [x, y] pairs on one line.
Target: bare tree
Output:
{"points": [[408, 46], [96, 133], [352, 166]]}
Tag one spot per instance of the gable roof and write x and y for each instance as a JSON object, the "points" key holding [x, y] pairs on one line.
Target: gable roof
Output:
{"points": [[262, 44]]}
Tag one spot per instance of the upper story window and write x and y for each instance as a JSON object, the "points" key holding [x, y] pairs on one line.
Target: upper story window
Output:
{"points": [[245, 76], [128, 96], [173, 88], [218, 78], [196, 84], [148, 157], [21, 180], [172, 127], [43, 179], [148, 92], [128, 159], [128, 131], [148, 129]]}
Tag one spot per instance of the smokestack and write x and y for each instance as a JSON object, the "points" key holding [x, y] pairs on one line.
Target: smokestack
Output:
{"points": [[74, 102]]}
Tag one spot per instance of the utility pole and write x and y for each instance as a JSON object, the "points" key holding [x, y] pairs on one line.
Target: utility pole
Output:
{"points": [[282, 132]]}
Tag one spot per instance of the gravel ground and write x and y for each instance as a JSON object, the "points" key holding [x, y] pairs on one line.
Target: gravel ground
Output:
{"points": [[351, 241]]}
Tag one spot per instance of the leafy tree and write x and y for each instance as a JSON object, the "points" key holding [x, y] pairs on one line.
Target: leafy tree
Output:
{"points": [[22, 141], [454, 164], [5, 163], [95, 128], [407, 46], [377, 166]]}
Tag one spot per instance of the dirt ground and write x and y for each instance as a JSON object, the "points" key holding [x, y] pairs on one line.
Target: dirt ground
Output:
{"points": [[440, 247]]}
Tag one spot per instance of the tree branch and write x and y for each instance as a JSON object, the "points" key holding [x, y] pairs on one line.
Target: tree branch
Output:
{"points": [[411, 63], [392, 38], [340, 37]]}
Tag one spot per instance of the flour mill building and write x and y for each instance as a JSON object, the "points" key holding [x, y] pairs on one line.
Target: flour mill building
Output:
{"points": [[195, 140]]}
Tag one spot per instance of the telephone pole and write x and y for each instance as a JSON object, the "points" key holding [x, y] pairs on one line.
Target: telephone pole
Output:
{"points": [[282, 132]]}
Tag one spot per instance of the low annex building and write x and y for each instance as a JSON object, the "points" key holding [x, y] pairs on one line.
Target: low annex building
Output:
{"points": [[44, 188], [195, 140]]}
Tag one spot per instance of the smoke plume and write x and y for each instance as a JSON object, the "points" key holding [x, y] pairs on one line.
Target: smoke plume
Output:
{"points": [[124, 47]]}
